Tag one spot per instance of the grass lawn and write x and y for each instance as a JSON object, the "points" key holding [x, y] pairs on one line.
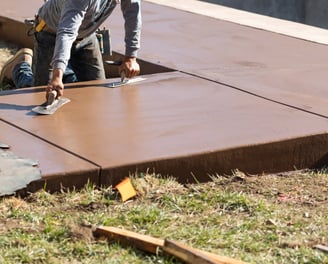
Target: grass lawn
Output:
{"points": [[258, 219]]}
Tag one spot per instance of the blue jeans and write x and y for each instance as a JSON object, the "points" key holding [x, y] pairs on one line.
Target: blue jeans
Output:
{"points": [[23, 75], [85, 63]]}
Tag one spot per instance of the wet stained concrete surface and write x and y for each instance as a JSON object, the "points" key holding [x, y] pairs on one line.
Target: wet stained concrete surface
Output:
{"points": [[173, 123], [58, 167], [270, 65], [182, 124]]}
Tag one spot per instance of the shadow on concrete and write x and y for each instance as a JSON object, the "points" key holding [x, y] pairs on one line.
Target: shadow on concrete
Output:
{"points": [[4, 106]]}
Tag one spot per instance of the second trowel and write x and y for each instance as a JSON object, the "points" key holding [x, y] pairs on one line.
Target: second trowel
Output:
{"points": [[52, 104]]}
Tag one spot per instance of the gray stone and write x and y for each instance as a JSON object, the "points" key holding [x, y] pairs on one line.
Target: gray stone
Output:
{"points": [[16, 172]]}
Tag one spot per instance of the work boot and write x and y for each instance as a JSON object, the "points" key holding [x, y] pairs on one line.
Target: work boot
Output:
{"points": [[23, 55]]}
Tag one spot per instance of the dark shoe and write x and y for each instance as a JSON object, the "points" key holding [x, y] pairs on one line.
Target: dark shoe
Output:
{"points": [[8, 67]]}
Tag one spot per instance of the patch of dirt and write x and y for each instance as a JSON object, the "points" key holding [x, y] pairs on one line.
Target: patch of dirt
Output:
{"points": [[6, 52], [80, 232], [90, 207]]}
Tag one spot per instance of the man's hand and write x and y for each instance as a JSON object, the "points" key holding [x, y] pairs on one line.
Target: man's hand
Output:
{"points": [[130, 66], [56, 83]]}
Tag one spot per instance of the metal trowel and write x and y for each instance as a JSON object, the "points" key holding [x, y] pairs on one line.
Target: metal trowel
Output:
{"points": [[123, 80], [52, 104]]}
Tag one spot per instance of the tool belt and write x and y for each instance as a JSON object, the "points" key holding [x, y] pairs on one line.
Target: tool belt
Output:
{"points": [[42, 26], [103, 35], [37, 25]]}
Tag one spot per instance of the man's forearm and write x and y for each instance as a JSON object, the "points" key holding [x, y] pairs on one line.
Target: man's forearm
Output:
{"points": [[57, 74], [133, 21]]}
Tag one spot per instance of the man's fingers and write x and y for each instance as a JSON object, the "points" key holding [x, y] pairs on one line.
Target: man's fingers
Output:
{"points": [[57, 90], [129, 73], [131, 68]]}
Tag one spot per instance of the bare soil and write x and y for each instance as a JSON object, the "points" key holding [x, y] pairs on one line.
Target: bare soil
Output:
{"points": [[6, 52]]}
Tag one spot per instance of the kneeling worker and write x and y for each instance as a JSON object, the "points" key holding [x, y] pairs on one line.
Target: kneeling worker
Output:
{"points": [[66, 44]]}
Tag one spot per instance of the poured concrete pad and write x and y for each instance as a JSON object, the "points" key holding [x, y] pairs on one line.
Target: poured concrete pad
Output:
{"points": [[277, 67], [274, 66], [173, 123], [16, 10], [270, 114], [57, 166], [255, 20]]}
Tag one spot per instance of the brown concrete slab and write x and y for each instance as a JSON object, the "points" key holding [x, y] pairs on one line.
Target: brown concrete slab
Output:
{"points": [[174, 123], [276, 67], [183, 125], [281, 68], [57, 166], [18, 10]]}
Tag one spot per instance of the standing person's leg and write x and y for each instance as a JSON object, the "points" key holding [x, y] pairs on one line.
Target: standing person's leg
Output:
{"points": [[86, 60], [17, 70]]}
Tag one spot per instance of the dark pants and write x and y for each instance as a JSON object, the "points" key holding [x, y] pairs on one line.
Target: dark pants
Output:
{"points": [[85, 63]]}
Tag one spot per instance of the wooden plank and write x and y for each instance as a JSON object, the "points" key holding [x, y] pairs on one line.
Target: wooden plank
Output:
{"points": [[194, 255], [129, 238], [152, 245], [187, 254], [322, 248]]}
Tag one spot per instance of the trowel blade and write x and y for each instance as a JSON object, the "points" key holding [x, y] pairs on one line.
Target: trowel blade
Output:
{"points": [[50, 109], [117, 84], [126, 81]]}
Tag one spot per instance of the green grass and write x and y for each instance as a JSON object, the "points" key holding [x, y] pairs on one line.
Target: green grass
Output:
{"points": [[263, 219]]}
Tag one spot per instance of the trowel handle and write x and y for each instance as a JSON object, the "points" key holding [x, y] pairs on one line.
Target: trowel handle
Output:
{"points": [[54, 92], [51, 97], [122, 76]]}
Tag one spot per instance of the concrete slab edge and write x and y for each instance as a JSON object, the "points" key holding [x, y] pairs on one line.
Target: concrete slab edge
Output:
{"points": [[287, 155], [280, 26], [62, 183]]}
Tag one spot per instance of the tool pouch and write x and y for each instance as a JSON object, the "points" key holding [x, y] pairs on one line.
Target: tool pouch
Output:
{"points": [[36, 24], [103, 36]]}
